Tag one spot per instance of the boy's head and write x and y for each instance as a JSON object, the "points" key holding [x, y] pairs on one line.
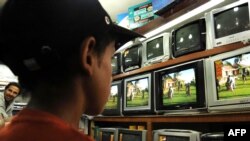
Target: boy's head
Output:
{"points": [[50, 42], [39, 34]]}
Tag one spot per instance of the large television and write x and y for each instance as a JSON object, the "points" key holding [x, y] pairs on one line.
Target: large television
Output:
{"points": [[228, 81], [228, 24], [138, 97], [180, 89], [156, 49], [113, 106], [116, 63], [162, 6], [132, 135], [108, 134], [132, 57], [176, 135], [189, 38]]}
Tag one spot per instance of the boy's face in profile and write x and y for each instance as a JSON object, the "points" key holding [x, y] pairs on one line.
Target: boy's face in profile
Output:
{"points": [[101, 81]]}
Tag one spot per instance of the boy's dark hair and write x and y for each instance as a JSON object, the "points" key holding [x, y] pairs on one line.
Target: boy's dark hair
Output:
{"points": [[14, 84]]}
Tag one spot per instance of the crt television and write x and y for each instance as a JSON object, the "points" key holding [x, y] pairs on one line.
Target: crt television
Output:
{"points": [[138, 98], [132, 135], [189, 38], [156, 49], [228, 24], [116, 63], [132, 57], [176, 135], [180, 89], [113, 106], [108, 134], [228, 81]]}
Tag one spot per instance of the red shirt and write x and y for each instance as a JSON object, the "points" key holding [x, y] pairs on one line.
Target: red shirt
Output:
{"points": [[34, 125]]}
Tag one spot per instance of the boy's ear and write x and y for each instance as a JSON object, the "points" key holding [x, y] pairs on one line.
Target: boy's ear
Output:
{"points": [[88, 55]]}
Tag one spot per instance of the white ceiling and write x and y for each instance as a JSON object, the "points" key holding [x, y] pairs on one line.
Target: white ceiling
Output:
{"points": [[114, 7]]}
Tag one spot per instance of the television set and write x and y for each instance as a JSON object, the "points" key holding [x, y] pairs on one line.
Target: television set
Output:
{"points": [[213, 136], [113, 106], [180, 89], [138, 98], [132, 57], [228, 24], [108, 134], [189, 38], [176, 135], [156, 49], [116, 63], [132, 135], [228, 81]]}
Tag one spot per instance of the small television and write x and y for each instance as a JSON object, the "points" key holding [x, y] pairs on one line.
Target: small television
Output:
{"points": [[156, 49], [108, 134], [213, 136], [137, 97], [180, 89], [113, 106], [176, 135], [132, 57], [116, 63], [228, 24], [132, 135], [228, 81], [189, 38]]}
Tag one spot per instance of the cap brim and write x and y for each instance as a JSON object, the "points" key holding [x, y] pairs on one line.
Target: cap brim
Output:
{"points": [[124, 35]]}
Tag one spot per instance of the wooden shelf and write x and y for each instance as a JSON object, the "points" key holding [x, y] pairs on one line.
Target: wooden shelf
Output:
{"points": [[182, 59]]}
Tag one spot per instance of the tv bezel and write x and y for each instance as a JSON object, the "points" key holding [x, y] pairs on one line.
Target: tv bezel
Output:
{"points": [[212, 41], [191, 134], [141, 133], [119, 61], [149, 109], [199, 106], [166, 52], [118, 110], [137, 66], [110, 129], [202, 29], [214, 104]]}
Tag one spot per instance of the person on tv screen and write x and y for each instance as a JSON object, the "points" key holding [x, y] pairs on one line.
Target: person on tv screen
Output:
{"points": [[63, 52], [11, 91]]}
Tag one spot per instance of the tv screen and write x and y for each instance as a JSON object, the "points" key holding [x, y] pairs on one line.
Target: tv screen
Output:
{"points": [[180, 88], [116, 63], [231, 21], [176, 135], [189, 38], [132, 135], [162, 6], [132, 58], [228, 24], [229, 75], [108, 134], [113, 107], [137, 96], [156, 49]]}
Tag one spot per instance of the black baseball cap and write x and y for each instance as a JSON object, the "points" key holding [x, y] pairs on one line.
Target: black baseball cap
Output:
{"points": [[30, 28]]}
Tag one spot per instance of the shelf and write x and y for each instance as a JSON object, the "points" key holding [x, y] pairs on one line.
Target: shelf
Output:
{"points": [[198, 118], [182, 59]]}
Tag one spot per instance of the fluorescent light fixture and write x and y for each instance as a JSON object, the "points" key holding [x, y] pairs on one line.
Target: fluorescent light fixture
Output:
{"points": [[188, 15]]}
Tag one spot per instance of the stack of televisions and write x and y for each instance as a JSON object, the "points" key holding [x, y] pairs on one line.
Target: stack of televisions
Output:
{"points": [[218, 83], [123, 134], [197, 85]]}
